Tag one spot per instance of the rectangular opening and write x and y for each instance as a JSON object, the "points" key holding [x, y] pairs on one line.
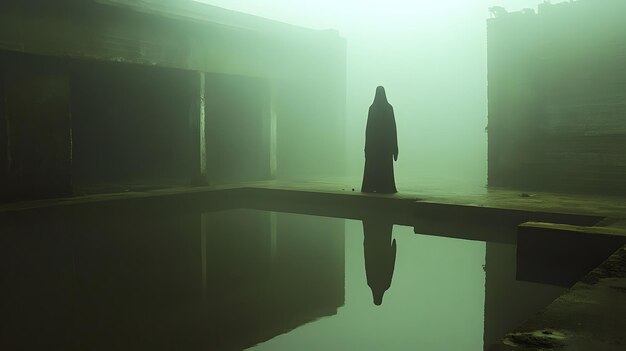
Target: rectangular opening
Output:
{"points": [[238, 128], [35, 138], [131, 126]]}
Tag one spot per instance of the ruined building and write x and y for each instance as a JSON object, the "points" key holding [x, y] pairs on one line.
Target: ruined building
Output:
{"points": [[107, 95], [557, 98]]}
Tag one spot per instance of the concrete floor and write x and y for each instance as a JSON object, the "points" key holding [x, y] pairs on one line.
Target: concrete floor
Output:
{"points": [[468, 193]]}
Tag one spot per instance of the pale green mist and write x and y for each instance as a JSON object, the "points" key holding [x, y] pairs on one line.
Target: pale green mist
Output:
{"points": [[431, 58]]}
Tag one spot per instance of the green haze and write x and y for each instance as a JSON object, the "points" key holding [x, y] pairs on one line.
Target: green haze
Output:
{"points": [[431, 58]]}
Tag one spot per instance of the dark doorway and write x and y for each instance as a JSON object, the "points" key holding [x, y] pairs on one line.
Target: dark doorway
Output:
{"points": [[35, 127], [131, 126], [238, 128]]}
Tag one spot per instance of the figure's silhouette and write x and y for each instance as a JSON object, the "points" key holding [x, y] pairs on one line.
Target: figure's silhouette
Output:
{"points": [[381, 146], [380, 256]]}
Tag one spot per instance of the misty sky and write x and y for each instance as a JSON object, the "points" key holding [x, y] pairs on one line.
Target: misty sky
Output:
{"points": [[431, 58]]}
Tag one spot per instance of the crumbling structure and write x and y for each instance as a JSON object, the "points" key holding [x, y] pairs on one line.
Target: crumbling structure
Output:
{"points": [[101, 94], [557, 98]]}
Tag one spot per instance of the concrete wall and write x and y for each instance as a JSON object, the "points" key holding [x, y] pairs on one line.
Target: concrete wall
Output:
{"points": [[303, 70], [557, 86], [36, 128]]}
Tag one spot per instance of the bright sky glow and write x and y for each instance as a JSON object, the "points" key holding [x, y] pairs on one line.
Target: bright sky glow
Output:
{"points": [[430, 56]]}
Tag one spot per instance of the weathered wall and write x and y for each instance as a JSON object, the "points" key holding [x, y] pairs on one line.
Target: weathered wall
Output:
{"points": [[305, 69], [557, 98]]}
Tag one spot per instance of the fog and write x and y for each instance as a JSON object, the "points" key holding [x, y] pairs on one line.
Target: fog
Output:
{"points": [[139, 141], [431, 58]]}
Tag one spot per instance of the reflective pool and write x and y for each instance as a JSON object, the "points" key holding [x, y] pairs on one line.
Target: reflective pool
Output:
{"points": [[244, 279]]}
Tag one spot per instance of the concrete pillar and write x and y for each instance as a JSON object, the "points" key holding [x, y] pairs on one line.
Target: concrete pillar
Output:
{"points": [[272, 141], [197, 123]]}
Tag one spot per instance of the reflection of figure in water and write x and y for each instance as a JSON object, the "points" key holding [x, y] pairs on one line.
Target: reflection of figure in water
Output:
{"points": [[381, 146], [380, 257]]}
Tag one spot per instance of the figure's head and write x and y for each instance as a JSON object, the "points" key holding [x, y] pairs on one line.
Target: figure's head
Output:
{"points": [[381, 96]]}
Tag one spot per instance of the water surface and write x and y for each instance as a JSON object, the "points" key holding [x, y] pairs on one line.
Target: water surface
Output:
{"points": [[250, 279]]}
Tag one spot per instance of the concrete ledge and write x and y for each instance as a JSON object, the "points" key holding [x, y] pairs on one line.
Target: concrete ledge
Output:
{"points": [[456, 217], [561, 254], [590, 316]]}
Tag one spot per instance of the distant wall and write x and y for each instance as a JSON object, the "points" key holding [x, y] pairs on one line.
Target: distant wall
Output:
{"points": [[557, 98]]}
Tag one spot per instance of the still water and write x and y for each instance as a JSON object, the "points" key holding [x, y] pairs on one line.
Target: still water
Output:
{"points": [[244, 279]]}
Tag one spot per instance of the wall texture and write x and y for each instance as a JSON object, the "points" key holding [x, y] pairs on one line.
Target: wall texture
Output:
{"points": [[557, 98], [303, 71]]}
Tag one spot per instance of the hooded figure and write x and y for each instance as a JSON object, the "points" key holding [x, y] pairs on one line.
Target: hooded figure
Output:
{"points": [[381, 146], [380, 257]]}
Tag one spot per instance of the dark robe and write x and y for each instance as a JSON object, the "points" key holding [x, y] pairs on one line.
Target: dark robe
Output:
{"points": [[381, 144], [380, 257]]}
